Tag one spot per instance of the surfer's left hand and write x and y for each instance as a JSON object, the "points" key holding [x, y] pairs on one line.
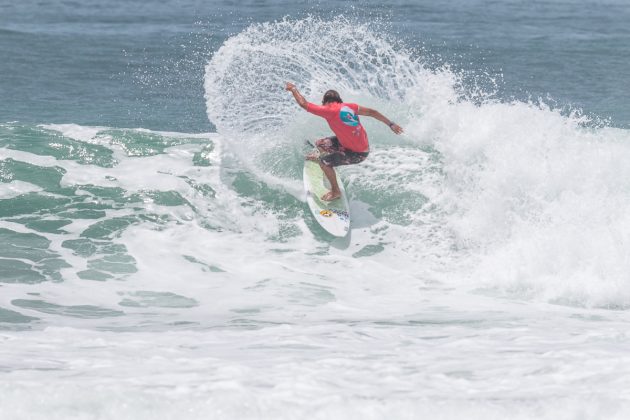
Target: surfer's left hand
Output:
{"points": [[396, 128]]}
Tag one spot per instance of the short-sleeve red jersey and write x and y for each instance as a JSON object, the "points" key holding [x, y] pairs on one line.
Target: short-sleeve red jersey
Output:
{"points": [[343, 120]]}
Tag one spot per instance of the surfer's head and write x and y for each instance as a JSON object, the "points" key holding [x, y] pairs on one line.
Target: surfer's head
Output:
{"points": [[331, 96]]}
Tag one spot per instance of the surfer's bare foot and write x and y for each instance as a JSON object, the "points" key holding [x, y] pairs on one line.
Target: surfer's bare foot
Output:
{"points": [[330, 196]]}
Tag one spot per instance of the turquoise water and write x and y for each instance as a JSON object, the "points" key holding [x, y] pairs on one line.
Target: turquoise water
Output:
{"points": [[158, 259]]}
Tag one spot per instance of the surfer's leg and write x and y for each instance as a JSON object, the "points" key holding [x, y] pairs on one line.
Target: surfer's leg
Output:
{"points": [[338, 158], [334, 192], [333, 157]]}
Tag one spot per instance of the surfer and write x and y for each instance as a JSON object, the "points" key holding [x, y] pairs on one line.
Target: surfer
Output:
{"points": [[350, 144]]}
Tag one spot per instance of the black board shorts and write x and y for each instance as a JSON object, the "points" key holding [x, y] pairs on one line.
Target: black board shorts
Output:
{"points": [[336, 155]]}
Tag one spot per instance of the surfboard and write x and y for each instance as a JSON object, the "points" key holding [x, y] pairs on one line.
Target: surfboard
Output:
{"points": [[333, 216]]}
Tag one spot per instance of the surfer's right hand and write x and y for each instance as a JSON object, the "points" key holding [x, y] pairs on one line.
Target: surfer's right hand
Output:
{"points": [[289, 86]]}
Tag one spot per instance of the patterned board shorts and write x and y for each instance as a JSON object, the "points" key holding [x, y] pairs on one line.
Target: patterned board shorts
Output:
{"points": [[336, 155]]}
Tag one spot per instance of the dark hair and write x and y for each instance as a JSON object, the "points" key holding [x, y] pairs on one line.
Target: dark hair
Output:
{"points": [[331, 96]]}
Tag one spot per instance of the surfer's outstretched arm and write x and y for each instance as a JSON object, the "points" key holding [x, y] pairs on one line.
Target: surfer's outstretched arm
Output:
{"points": [[382, 118], [296, 94]]}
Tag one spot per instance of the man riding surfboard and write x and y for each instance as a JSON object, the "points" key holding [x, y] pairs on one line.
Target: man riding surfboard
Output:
{"points": [[350, 144]]}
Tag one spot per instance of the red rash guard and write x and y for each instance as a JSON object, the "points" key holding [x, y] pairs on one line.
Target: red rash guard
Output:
{"points": [[343, 120]]}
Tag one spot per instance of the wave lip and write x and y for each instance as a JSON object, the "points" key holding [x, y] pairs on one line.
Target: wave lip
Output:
{"points": [[531, 199]]}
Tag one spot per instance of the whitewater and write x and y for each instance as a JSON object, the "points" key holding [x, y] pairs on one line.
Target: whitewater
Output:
{"points": [[158, 274]]}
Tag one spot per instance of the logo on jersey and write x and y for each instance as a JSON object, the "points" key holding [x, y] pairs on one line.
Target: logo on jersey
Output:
{"points": [[348, 117]]}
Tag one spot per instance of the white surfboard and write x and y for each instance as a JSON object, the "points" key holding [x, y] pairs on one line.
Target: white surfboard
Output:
{"points": [[333, 216]]}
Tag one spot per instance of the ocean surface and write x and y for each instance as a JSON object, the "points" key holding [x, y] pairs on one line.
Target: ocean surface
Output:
{"points": [[158, 259]]}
